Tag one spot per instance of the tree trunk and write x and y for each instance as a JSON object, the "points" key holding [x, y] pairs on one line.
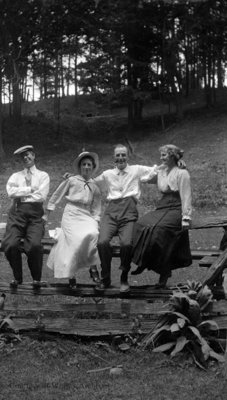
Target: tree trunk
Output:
{"points": [[56, 97], [220, 70], [2, 154], [187, 71], [68, 74], [16, 100], [56, 87], [130, 96], [138, 109], [10, 101], [44, 90], [33, 89], [62, 76], [76, 71]]}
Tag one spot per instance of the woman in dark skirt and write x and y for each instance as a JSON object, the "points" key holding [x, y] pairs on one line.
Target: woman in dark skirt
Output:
{"points": [[160, 240]]}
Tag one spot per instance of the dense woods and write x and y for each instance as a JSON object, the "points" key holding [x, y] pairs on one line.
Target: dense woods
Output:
{"points": [[119, 51]]}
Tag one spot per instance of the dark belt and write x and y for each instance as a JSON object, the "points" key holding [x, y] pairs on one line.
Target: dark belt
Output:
{"points": [[17, 203], [116, 201]]}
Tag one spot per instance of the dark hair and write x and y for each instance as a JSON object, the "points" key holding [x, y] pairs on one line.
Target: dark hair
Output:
{"points": [[90, 158]]}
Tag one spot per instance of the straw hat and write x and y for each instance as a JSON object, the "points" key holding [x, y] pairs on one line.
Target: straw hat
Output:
{"points": [[85, 154]]}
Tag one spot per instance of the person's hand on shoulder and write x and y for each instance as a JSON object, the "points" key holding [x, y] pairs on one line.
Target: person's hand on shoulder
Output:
{"points": [[67, 175], [181, 164]]}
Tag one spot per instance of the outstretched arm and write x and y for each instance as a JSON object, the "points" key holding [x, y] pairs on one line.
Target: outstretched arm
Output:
{"points": [[58, 194]]}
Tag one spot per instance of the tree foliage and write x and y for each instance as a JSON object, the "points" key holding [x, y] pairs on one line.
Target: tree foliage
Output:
{"points": [[138, 48]]}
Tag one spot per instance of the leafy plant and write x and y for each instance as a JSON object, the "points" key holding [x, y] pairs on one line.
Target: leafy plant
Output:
{"points": [[126, 342], [183, 326], [8, 331]]}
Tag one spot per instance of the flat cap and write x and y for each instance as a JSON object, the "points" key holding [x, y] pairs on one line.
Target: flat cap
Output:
{"points": [[22, 149]]}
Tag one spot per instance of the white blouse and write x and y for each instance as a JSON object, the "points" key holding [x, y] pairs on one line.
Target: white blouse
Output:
{"points": [[177, 180], [80, 192]]}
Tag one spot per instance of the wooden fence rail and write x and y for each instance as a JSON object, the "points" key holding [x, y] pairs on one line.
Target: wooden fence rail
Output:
{"points": [[101, 316], [96, 320]]}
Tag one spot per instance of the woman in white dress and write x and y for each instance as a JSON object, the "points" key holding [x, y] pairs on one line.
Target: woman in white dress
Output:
{"points": [[161, 240], [76, 245]]}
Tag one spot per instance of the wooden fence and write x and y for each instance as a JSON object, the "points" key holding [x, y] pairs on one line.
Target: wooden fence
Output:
{"points": [[82, 311]]}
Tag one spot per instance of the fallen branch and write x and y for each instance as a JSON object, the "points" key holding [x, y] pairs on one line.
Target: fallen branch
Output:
{"points": [[103, 369]]}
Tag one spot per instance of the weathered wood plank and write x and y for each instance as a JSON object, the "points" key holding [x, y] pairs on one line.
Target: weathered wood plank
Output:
{"points": [[146, 292], [219, 308], [208, 222], [221, 321], [136, 292], [82, 327], [114, 308], [92, 327], [207, 261], [129, 307], [216, 269]]}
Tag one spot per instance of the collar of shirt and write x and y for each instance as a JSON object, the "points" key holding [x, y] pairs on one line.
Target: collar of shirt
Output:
{"points": [[80, 178], [122, 171], [32, 169]]}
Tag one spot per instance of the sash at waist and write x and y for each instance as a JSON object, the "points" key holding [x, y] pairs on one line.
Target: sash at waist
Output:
{"points": [[79, 205]]}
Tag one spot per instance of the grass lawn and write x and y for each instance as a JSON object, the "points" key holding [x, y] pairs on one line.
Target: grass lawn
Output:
{"points": [[60, 369], [57, 367]]}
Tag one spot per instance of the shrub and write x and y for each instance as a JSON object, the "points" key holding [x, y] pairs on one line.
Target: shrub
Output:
{"points": [[183, 326]]}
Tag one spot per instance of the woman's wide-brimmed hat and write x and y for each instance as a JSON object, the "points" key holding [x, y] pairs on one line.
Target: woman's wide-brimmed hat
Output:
{"points": [[85, 154]]}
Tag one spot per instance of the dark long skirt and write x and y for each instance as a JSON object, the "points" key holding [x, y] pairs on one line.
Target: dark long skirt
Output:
{"points": [[159, 243]]}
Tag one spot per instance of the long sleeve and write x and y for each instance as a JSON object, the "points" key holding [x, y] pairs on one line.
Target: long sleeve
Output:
{"points": [[101, 182], [58, 195], [17, 189], [184, 185], [41, 193], [148, 174], [96, 206]]}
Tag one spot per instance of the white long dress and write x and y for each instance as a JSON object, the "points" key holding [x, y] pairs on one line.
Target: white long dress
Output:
{"points": [[76, 246]]}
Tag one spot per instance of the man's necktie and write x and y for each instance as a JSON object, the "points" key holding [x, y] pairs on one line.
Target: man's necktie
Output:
{"points": [[28, 177]]}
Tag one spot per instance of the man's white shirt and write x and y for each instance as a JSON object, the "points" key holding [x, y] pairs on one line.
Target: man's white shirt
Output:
{"points": [[125, 183], [38, 190]]}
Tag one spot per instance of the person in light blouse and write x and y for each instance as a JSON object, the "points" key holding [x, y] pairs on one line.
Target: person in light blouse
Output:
{"points": [[160, 238], [28, 189], [76, 245]]}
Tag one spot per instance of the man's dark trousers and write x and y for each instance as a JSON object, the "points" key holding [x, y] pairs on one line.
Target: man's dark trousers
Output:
{"points": [[118, 219], [25, 222]]}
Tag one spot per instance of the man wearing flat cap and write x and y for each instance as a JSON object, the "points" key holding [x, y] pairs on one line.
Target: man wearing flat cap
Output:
{"points": [[28, 189]]}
